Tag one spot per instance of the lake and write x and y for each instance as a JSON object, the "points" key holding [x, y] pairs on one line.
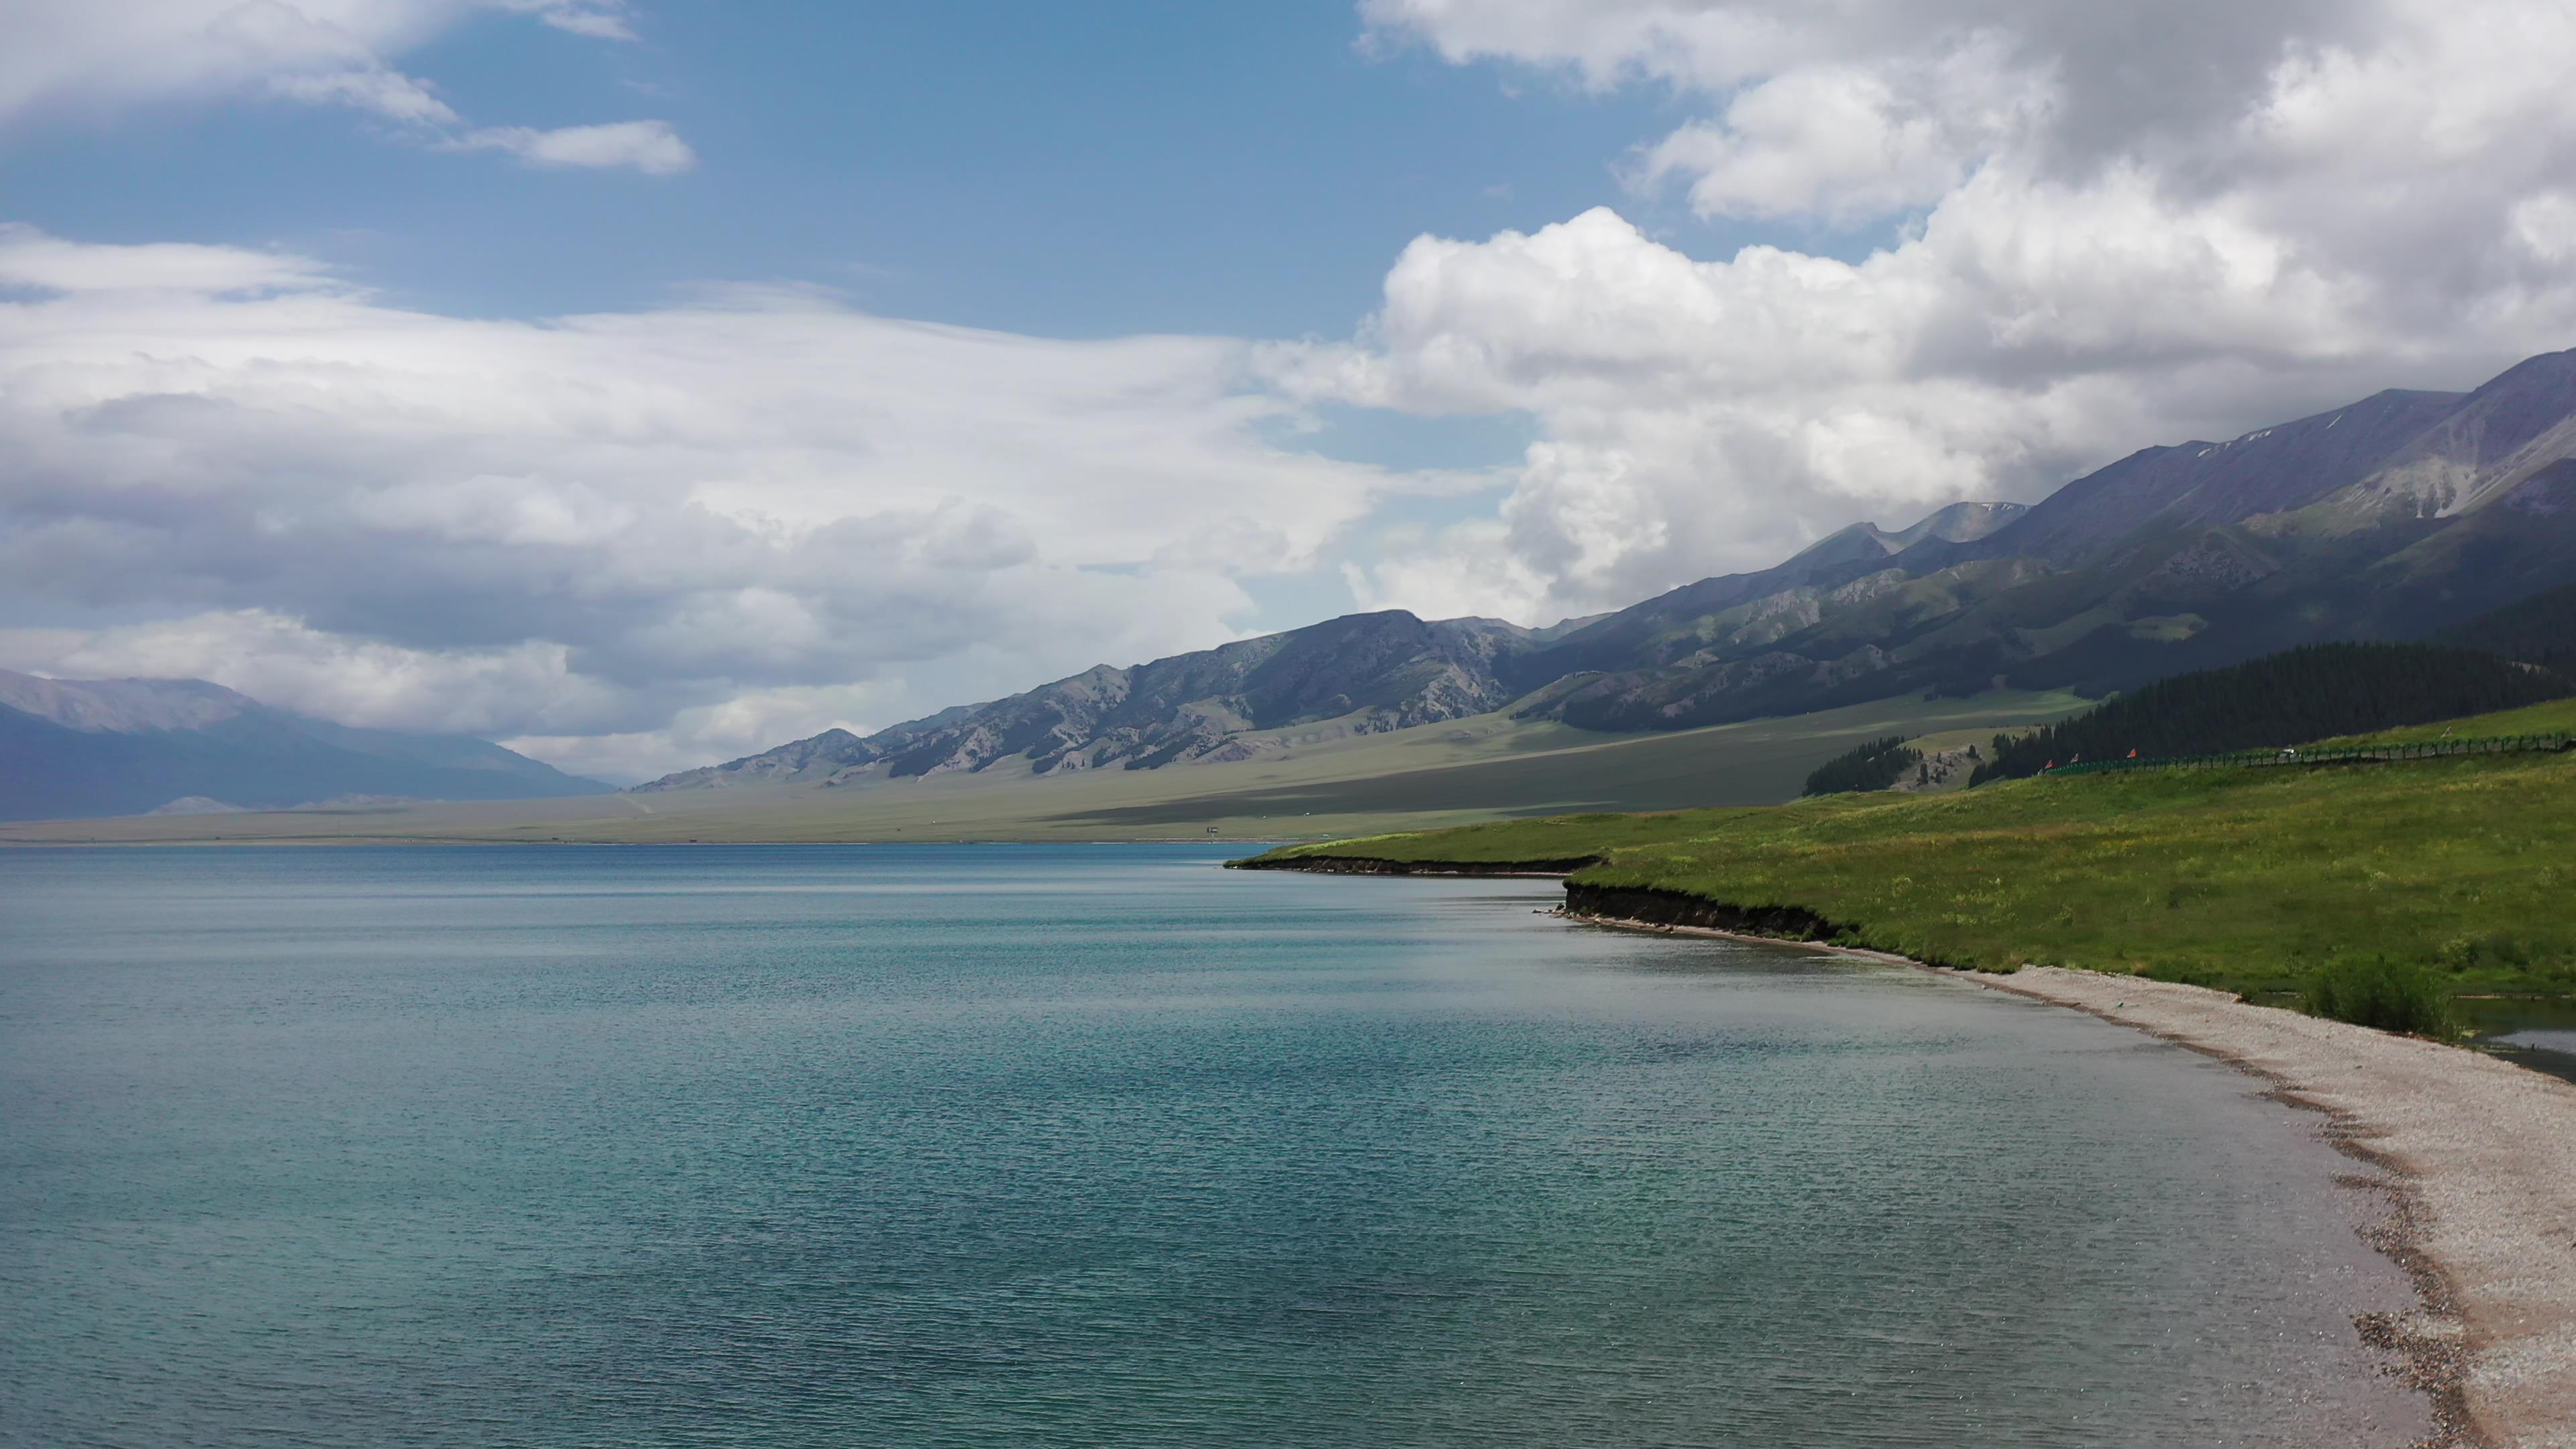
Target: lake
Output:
{"points": [[1100, 1145]]}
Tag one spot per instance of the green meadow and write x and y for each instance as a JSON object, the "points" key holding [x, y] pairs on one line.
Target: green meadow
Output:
{"points": [[2251, 880]]}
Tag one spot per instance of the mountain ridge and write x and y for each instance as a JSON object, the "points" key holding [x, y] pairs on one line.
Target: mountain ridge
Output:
{"points": [[1381, 671], [2394, 516]]}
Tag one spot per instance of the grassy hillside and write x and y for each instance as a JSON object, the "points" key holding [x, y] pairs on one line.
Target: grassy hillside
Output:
{"points": [[2249, 880], [1483, 768], [2558, 716], [2283, 699]]}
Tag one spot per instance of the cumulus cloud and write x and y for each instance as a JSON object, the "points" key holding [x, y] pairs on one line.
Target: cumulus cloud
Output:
{"points": [[1848, 142], [2099, 227], [616, 528], [2121, 80], [108, 55]]}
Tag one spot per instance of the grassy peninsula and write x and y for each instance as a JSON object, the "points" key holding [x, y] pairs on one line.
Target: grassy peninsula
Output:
{"points": [[2249, 880]]}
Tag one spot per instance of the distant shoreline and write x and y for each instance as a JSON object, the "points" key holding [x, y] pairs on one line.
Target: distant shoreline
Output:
{"points": [[2479, 1156]]}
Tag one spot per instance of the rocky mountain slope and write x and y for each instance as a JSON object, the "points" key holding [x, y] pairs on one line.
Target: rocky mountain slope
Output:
{"points": [[2391, 518], [80, 748], [2394, 517], [1374, 671]]}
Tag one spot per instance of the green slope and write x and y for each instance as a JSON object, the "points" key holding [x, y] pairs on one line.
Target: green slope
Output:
{"points": [[2558, 716], [2244, 879]]}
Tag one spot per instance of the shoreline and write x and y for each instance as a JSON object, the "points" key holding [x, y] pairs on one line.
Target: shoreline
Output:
{"points": [[2477, 1155]]}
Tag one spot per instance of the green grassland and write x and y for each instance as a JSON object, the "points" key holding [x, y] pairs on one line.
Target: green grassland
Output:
{"points": [[1311, 781], [2245, 879]]}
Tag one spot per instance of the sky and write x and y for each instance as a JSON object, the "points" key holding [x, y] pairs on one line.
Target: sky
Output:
{"points": [[643, 383]]}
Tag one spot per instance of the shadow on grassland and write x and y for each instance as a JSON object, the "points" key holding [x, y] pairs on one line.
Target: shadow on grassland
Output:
{"points": [[1743, 766]]}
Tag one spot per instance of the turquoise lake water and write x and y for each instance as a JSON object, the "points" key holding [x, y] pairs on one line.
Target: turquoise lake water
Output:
{"points": [[1041, 1146]]}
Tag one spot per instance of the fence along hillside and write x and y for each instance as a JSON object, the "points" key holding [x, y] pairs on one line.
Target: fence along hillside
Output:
{"points": [[2333, 755]]}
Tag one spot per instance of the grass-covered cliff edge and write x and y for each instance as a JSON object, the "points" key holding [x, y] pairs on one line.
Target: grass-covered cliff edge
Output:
{"points": [[2246, 879]]}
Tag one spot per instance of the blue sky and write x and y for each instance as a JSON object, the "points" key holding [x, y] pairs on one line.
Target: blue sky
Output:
{"points": [[1083, 171], [648, 381], [1075, 171]]}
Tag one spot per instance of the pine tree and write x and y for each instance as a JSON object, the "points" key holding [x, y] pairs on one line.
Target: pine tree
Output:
{"points": [[1873, 766]]}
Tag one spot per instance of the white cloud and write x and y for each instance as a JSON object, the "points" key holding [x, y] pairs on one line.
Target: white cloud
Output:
{"points": [[743, 725], [651, 147], [1605, 42], [276, 659], [1862, 107], [598, 19], [1465, 570], [106, 56], [2134, 226], [2545, 224], [30, 259], [387, 93], [516, 694], [1848, 142], [592, 526]]}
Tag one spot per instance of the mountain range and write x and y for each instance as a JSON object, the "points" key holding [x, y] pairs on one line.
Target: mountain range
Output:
{"points": [[2394, 517], [2404, 515], [79, 748]]}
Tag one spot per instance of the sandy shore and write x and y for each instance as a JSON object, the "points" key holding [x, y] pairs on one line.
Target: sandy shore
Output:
{"points": [[2485, 1158]]}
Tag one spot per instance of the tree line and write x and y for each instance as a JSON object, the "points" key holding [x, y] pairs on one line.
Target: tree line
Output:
{"points": [[2537, 630], [2310, 693], [1872, 766]]}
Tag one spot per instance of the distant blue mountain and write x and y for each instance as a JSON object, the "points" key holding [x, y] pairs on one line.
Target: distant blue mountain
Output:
{"points": [[72, 749]]}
